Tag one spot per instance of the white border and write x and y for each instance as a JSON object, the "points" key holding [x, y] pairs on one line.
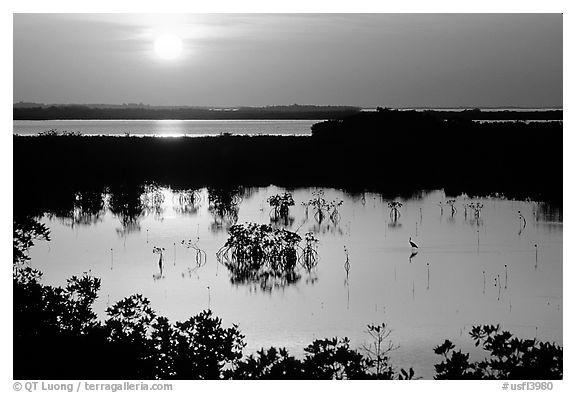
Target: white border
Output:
{"points": [[356, 6]]}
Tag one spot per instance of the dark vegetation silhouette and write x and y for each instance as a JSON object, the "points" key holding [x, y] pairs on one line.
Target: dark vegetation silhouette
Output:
{"points": [[391, 152], [322, 208], [510, 357], [33, 111], [143, 112], [280, 205], [57, 336], [223, 205], [504, 114], [266, 257]]}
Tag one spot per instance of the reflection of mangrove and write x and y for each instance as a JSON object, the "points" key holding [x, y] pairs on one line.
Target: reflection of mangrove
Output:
{"points": [[441, 204], [200, 257], [84, 207], [223, 204], [544, 213], [88, 208], [309, 256], [152, 199], [476, 208], [474, 215], [125, 202], [311, 277], [59, 203], [394, 207], [267, 256], [188, 202], [394, 224], [327, 227], [453, 210], [286, 221], [81, 207], [323, 208], [394, 210], [191, 271], [320, 227], [358, 196], [265, 279], [128, 227], [132, 202]]}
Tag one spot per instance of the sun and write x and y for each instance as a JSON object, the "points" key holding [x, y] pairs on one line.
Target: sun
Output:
{"points": [[168, 46]]}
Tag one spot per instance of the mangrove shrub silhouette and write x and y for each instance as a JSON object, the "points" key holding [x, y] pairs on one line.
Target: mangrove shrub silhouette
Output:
{"points": [[261, 254], [510, 357], [280, 205], [26, 230]]}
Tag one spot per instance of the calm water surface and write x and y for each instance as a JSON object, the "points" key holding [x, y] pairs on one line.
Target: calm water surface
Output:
{"points": [[439, 293], [166, 127]]}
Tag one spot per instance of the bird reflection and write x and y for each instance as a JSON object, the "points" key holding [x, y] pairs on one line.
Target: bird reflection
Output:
{"points": [[413, 253]]}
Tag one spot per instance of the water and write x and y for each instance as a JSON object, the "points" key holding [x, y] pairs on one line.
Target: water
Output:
{"points": [[171, 128], [437, 294], [520, 121], [166, 127]]}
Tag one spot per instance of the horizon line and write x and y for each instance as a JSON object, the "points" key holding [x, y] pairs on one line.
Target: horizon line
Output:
{"points": [[288, 105]]}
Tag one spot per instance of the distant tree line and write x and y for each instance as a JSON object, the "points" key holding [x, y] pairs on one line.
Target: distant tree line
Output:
{"points": [[505, 115], [84, 112], [30, 111], [479, 114]]}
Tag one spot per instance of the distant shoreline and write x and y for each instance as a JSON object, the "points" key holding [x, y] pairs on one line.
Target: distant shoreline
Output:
{"points": [[76, 112], [83, 112]]}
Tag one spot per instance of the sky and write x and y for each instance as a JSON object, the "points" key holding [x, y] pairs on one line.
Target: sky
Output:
{"points": [[227, 60]]}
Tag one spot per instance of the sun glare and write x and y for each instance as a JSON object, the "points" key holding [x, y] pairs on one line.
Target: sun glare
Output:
{"points": [[168, 46]]}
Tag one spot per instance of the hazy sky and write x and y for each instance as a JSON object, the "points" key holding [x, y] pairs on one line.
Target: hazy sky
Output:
{"points": [[395, 60]]}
